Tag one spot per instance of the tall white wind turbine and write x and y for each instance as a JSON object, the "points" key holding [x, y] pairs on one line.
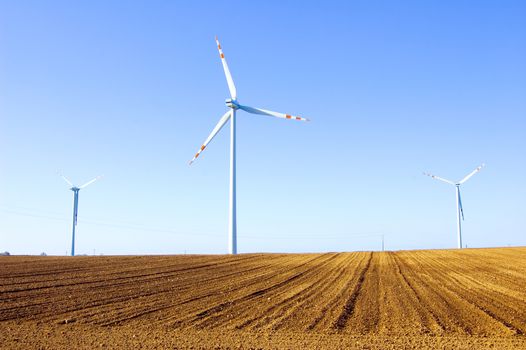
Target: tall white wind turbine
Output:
{"points": [[233, 105], [76, 190], [460, 211]]}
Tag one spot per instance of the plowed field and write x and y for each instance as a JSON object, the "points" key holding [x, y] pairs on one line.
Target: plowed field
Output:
{"points": [[473, 298]]}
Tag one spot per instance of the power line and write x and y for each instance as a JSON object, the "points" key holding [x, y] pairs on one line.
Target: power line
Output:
{"points": [[146, 228]]}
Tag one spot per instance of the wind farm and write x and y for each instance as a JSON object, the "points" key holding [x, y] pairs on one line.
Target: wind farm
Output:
{"points": [[316, 229]]}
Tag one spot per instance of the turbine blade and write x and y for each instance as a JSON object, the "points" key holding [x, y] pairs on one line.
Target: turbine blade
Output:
{"points": [[229, 79], [460, 204], [65, 179], [471, 174], [214, 132], [76, 207], [90, 182], [439, 178], [270, 113]]}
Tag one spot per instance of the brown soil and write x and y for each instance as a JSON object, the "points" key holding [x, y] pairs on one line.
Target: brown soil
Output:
{"points": [[473, 298]]}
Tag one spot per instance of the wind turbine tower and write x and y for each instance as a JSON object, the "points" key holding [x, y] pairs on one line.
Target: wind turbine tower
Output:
{"points": [[460, 211], [76, 190], [233, 105]]}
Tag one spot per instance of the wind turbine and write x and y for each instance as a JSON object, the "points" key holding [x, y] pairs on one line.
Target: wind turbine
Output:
{"points": [[460, 211], [76, 190], [233, 106]]}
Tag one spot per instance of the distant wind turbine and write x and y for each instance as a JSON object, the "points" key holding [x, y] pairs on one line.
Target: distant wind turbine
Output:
{"points": [[234, 105], [460, 211], [76, 190]]}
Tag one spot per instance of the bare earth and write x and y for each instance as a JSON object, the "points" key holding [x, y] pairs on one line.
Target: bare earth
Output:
{"points": [[447, 299]]}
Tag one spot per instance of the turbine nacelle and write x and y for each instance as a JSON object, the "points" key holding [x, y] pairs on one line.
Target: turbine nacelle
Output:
{"points": [[232, 103]]}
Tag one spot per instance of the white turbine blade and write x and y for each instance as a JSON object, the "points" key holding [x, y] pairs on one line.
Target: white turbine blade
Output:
{"points": [[66, 179], [76, 215], [460, 204], [229, 79], [439, 178], [214, 132], [270, 113], [471, 174], [90, 182]]}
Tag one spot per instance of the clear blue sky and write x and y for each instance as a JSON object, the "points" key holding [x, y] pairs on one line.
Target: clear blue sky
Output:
{"points": [[131, 89]]}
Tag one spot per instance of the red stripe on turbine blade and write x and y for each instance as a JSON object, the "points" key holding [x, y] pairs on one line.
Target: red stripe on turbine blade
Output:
{"points": [[288, 116], [196, 155], [203, 147], [222, 56], [219, 46], [298, 118]]}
